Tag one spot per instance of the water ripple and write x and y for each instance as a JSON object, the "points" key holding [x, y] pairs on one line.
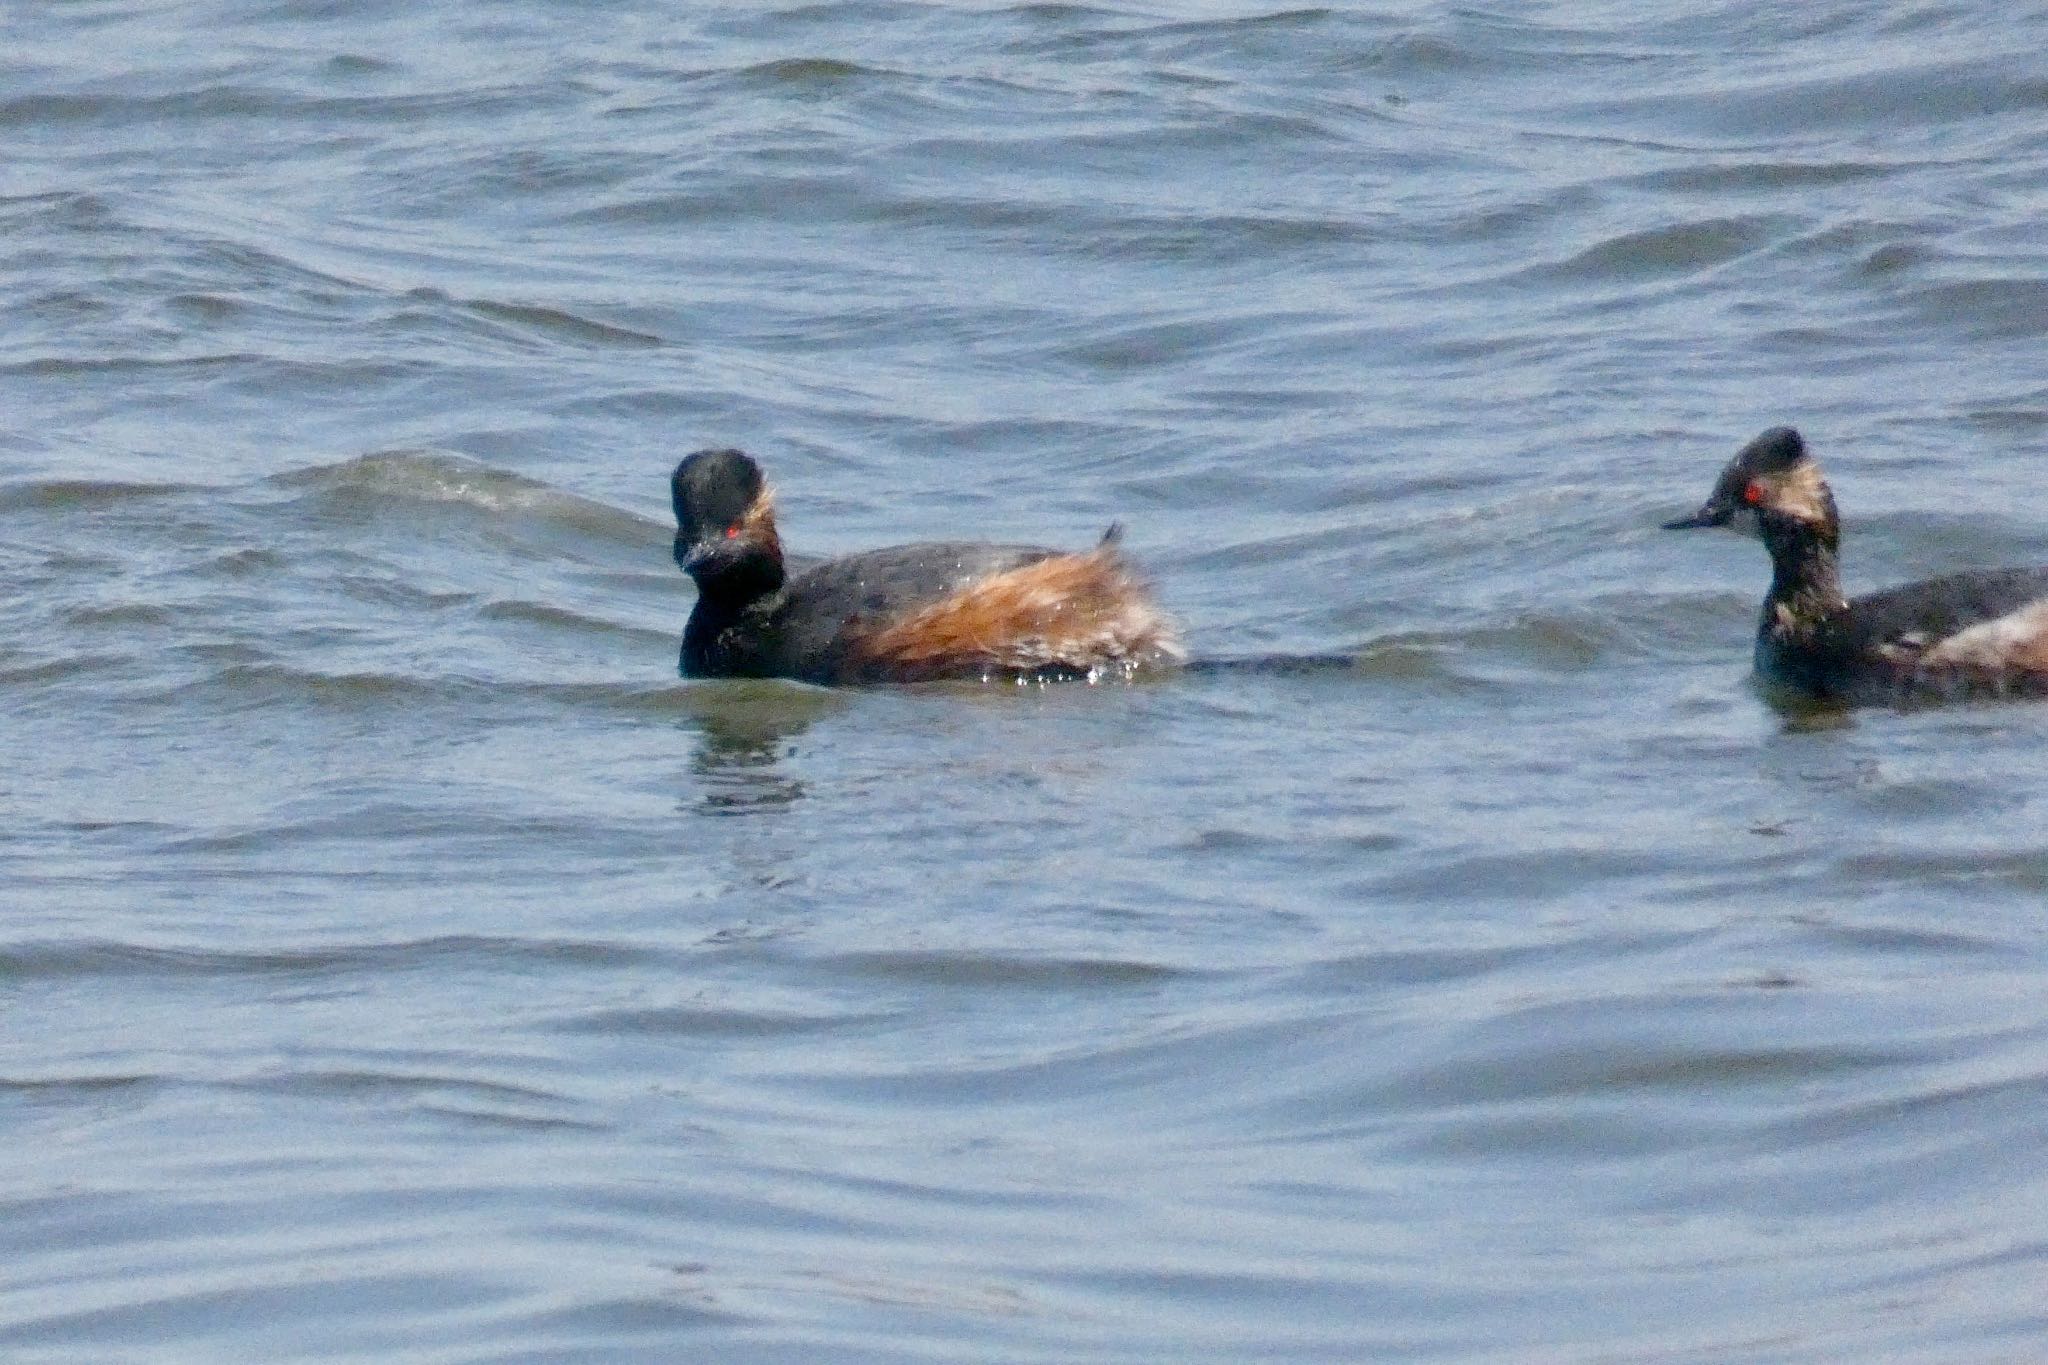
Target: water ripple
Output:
{"points": [[102, 959], [1461, 960]]}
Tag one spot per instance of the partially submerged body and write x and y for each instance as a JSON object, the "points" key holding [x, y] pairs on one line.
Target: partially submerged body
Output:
{"points": [[909, 613]]}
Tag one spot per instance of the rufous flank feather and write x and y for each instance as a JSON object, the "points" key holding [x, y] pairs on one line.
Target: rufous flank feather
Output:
{"points": [[1074, 613]]}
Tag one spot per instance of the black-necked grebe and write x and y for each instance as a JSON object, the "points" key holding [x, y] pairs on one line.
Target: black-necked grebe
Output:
{"points": [[910, 613], [1969, 634]]}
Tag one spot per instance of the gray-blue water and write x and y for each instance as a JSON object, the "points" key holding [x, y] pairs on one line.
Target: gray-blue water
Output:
{"points": [[399, 962]]}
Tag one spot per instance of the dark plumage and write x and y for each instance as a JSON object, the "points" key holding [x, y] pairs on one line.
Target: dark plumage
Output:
{"points": [[1968, 634], [909, 613]]}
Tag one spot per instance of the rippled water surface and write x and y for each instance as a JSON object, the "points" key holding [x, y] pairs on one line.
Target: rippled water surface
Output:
{"points": [[401, 963]]}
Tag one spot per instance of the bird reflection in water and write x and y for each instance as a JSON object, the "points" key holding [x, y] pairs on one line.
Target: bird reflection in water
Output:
{"points": [[744, 729]]}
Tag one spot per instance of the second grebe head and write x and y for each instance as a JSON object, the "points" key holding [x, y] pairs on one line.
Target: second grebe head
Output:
{"points": [[1772, 485]]}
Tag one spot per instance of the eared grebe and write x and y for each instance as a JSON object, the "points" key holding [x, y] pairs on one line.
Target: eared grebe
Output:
{"points": [[910, 613], [1969, 634]]}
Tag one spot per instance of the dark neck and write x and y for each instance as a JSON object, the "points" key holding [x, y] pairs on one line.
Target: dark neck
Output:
{"points": [[711, 643], [1806, 572], [1805, 625]]}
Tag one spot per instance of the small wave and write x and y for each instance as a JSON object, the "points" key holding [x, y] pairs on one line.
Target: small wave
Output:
{"points": [[926, 1294], [665, 698], [807, 72], [1418, 967], [37, 672], [562, 618], [48, 494], [1057, 11], [1472, 655], [1911, 942], [1986, 309], [1507, 1074], [59, 208], [959, 968], [44, 109], [89, 958], [68, 367], [365, 1080], [118, 615], [259, 681], [2021, 871], [74, 1087], [1078, 27], [1749, 176], [1531, 873], [1681, 249], [529, 321], [425, 475], [360, 64], [1304, 17], [1416, 54], [429, 476], [1225, 238], [1150, 346], [564, 326], [697, 1021]]}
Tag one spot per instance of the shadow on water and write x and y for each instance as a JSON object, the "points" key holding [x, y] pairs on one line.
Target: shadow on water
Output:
{"points": [[1804, 714], [1801, 712], [743, 729]]}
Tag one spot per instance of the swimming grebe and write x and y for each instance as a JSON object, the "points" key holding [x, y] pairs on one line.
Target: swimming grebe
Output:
{"points": [[910, 613], [1969, 634]]}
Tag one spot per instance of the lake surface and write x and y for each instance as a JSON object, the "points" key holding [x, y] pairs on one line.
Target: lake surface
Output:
{"points": [[401, 963]]}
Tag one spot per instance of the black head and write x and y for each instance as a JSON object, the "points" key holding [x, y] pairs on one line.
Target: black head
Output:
{"points": [[725, 523], [713, 490], [1775, 478]]}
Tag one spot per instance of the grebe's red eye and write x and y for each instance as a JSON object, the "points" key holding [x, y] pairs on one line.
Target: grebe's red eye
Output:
{"points": [[1752, 492], [732, 532]]}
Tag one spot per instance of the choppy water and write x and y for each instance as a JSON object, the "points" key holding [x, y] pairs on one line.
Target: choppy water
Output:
{"points": [[400, 963]]}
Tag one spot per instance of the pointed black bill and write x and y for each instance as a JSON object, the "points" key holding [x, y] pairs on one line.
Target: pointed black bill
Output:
{"points": [[1712, 514]]}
